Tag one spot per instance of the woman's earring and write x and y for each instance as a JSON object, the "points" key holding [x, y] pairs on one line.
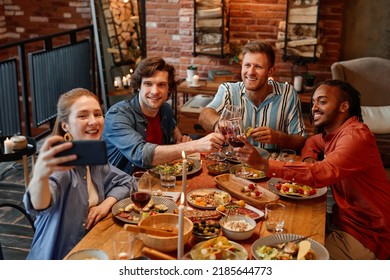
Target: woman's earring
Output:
{"points": [[68, 137]]}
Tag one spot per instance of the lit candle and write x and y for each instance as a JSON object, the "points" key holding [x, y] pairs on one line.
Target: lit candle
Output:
{"points": [[180, 236], [8, 146], [298, 83], [184, 173], [131, 71], [128, 79], [124, 81], [117, 82], [195, 80]]}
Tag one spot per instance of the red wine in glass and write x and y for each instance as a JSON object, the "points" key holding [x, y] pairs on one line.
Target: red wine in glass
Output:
{"points": [[235, 142], [140, 199], [224, 130]]}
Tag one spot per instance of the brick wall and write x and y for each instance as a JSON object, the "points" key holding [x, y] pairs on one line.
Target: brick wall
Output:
{"points": [[169, 28], [170, 24], [28, 19]]}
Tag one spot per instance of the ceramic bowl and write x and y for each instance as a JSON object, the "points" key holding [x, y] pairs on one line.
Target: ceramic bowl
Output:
{"points": [[233, 233], [166, 220], [217, 168], [88, 254], [205, 230]]}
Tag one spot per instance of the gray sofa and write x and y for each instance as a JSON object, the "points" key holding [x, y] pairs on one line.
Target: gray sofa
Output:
{"points": [[370, 76]]}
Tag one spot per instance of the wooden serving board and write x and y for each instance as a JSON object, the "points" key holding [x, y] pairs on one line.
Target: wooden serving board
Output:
{"points": [[233, 184]]}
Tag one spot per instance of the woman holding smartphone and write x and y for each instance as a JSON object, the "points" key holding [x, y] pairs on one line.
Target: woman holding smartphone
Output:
{"points": [[67, 201]]}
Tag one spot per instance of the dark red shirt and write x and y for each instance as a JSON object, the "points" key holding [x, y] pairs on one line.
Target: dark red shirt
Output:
{"points": [[153, 130]]}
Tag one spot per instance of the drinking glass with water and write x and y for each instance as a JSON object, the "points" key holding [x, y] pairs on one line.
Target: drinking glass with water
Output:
{"points": [[168, 177]]}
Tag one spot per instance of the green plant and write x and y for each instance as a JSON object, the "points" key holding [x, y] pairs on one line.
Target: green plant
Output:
{"points": [[310, 78], [192, 67], [235, 54]]}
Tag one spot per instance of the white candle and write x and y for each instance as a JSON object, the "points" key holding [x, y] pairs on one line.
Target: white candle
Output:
{"points": [[298, 83], [195, 80], [124, 81], [118, 82], [180, 236], [8, 146], [184, 173]]}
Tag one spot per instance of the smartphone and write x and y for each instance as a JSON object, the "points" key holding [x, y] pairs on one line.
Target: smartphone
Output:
{"points": [[89, 152]]}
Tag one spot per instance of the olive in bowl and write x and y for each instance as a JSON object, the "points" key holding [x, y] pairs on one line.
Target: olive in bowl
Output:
{"points": [[205, 230]]}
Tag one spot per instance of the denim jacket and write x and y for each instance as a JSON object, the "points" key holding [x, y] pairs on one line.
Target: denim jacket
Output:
{"points": [[125, 134]]}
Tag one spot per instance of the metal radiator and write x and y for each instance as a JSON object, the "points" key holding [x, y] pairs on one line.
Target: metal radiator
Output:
{"points": [[9, 101], [55, 72]]}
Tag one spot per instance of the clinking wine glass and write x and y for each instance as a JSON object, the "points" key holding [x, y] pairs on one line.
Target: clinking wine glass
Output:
{"points": [[229, 112], [236, 129]]}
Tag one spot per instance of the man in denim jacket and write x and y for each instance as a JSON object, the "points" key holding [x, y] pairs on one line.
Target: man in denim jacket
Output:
{"points": [[142, 132]]}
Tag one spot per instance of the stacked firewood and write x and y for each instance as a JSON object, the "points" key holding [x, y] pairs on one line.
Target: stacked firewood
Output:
{"points": [[302, 36], [122, 21], [209, 26]]}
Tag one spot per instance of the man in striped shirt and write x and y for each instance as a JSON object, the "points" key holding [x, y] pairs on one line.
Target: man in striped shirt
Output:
{"points": [[273, 109]]}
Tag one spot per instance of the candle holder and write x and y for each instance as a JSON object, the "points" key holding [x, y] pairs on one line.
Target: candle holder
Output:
{"points": [[299, 72]]}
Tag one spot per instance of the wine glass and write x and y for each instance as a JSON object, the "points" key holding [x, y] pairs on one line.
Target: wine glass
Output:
{"points": [[236, 129], [229, 112], [143, 195]]}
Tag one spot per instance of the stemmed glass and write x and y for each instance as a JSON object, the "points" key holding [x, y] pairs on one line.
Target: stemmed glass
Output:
{"points": [[229, 112], [143, 195], [236, 129]]}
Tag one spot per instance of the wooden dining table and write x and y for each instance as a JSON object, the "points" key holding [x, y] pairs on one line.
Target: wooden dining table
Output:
{"points": [[303, 217]]}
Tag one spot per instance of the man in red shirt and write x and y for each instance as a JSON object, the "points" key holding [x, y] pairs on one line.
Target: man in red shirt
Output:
{"points": [[344, 156]]}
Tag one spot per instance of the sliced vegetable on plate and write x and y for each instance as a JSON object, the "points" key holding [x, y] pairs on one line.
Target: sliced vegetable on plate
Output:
{"points": [[126, 211], [193, 166], [283, 247], [294, 190], [253, 174], [240, 208], [218, 248], [208, 198]]}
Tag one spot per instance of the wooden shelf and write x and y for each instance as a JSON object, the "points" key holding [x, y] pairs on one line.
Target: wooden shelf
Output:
{"points": [[211, 28]]}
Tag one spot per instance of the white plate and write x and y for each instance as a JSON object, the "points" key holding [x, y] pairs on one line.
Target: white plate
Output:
{"points": [[243, 253], [205, 191], [319, 250], [274, 181], [171, 195], [157, 200], [247, 206]]}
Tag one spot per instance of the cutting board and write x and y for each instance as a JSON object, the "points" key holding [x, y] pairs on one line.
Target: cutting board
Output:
{"points": [[233, 185]]}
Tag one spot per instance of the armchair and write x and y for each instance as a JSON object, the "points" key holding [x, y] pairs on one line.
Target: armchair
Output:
{"points": [[369, 75]]}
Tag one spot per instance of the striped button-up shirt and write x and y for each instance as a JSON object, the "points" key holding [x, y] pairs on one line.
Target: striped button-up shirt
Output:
{"points": [[281, 109]]}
